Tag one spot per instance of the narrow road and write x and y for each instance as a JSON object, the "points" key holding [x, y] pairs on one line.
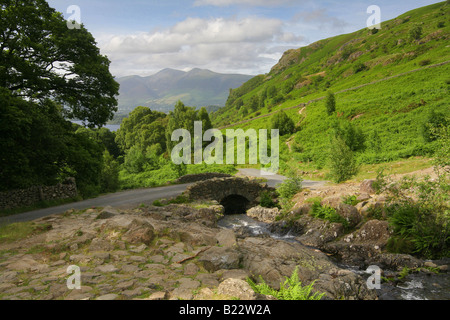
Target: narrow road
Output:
{"points": [[273, 180], [123, 199], [133, 198]]}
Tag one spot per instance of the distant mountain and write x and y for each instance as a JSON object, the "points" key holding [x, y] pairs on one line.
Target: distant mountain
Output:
{"points": [[162, 90]]}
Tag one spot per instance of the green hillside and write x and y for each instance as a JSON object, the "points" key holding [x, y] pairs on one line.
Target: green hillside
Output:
{"points": [[386, 83]]}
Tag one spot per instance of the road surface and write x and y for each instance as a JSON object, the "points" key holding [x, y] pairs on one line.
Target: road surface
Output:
{"points": [[133, 198]]}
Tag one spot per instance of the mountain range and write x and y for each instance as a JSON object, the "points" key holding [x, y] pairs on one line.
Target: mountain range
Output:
{"points": [[198, 87]]}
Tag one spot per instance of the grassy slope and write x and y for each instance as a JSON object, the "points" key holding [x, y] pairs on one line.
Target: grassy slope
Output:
{"points": [[394, 108]]}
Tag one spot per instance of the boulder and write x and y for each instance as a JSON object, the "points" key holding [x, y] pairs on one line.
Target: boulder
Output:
{"points": [[226, 238], [349, 213], [139, 232], [107, 212], [217, 258], [237, 288], [267, 215], [367, 187]]}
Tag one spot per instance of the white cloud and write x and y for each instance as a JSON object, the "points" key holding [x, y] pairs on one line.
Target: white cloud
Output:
{"points": [[224, 3], [248, 45]]}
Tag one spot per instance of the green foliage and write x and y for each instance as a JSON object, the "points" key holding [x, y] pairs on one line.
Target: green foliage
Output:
{"points": [[433, 121], [266, 200], [291, 289], [142, 129], [327, 213], [109, 177], [157, 203], [50, 61], [419, 213], [282, 122], [350, 200], [330, 103], [359, 66], [415, 32], [342, 161], [290, 187]]}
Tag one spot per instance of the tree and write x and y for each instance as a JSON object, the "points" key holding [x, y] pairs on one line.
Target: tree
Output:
{"points": [[342, 162], [109, 177], [415, 32], [282, 122], [182, 117], [142, 128], [330, 103], [433, 121], [41, 58], [352, 135], [254, 104]]}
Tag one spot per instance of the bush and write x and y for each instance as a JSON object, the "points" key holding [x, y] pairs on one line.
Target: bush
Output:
{"points": [[266, 200], [330, 103], [342, 162], [415, 32], [283, 123], [327, 213], [419, 214], [291, 289], [290, 187]]}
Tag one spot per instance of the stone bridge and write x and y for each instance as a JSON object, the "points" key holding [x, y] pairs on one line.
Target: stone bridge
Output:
{"points": [[237, 195]]}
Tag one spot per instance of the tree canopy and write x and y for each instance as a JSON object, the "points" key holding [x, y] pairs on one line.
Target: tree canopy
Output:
{"points": [[41, 58]]}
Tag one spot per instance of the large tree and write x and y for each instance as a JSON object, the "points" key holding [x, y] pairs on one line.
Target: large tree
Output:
{"points": [[40, 58]]}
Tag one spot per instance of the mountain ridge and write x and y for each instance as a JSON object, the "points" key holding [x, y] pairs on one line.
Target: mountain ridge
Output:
{"points": [[160, 91]]}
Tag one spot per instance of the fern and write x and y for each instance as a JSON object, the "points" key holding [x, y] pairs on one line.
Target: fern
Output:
{"points": [[291, 289]]}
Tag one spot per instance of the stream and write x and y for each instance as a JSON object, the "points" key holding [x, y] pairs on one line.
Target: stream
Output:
{"points": [[415, 286]]}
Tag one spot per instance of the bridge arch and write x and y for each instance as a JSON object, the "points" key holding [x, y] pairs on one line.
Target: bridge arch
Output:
{"points": [[237, 195]]}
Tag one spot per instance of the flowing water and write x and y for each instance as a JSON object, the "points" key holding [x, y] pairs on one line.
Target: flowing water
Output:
{"points": [[416, 286]]}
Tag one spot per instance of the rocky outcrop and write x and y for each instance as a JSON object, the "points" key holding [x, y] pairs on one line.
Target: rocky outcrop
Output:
{"points": [[262, 214]]}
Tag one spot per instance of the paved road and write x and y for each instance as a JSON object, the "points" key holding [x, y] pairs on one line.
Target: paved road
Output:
{"points": [[121, 199], [273, 180], [132, 198]]}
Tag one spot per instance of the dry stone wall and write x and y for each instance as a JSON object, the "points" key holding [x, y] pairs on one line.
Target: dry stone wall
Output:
{"points": [[28, 197]]}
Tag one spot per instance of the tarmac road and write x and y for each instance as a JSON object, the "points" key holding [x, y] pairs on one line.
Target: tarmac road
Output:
{"points": [[133, 198]]}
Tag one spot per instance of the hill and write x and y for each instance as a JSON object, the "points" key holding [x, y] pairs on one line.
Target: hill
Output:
{"points": [[162, 90], [387, 83]]}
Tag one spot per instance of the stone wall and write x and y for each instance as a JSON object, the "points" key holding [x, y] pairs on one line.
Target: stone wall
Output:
{"points": [[220, 188], [189, 178], [28, 197]]}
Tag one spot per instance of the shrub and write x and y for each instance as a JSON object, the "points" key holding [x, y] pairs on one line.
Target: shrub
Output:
{"points": [[415, 32], [424, 62], [327, 213], [290, 187], [291, 289], [342, 162], [266, 200], [358, 67], [350, 200], [330, 103], [282, 122]]}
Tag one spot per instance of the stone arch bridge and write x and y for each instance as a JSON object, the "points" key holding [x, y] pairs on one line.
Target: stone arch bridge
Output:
{"points": [[237, 195]]}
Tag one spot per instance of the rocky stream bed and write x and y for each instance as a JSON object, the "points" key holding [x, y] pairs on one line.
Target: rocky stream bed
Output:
{"points": [[179, 252]]}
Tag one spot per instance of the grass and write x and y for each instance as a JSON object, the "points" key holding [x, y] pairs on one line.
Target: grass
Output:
{"points": [[393, 108], [17, 231]]}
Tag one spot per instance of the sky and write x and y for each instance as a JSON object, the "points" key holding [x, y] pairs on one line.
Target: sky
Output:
{"points": [[142, 37]]}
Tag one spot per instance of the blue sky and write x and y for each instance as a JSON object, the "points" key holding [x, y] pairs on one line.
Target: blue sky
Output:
{"points": [[230, 36]]}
